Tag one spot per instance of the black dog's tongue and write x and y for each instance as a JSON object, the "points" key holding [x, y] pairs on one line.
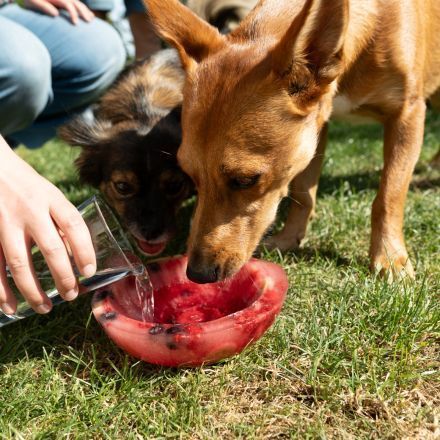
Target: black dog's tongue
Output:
{"points": [[151, 248]]}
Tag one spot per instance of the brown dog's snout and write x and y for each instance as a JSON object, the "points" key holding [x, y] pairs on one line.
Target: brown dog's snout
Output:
{"points": [[200, 271]]}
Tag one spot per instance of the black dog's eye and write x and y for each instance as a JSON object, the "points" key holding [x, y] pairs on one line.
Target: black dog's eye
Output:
{"points": [[123, 188], [173, 187], [243, 182]]}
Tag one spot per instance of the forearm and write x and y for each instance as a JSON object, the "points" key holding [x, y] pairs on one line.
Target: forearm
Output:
{"points": [[32, 210]]}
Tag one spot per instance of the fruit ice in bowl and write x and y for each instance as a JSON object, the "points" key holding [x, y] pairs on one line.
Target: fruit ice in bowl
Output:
{"points": [[191, 324]]}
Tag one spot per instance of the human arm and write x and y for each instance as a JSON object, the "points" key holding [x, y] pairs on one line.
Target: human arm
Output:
{"points": [[33, 210]]}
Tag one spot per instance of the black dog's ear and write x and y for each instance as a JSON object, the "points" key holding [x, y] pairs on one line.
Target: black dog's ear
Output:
{"points": [[84, 131], [172, 122], [176, 118], [89, 134], [176, 115], [90, 166]]}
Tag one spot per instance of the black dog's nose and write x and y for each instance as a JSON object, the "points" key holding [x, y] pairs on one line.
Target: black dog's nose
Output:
{"points": [[152, 231], [202, 274]]}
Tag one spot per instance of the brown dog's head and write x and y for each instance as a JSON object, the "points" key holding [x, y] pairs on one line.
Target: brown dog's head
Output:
{"points": [[129, 150], [254, 103]]}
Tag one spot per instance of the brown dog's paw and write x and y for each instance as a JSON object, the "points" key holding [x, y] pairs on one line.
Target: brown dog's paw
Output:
{"points": [[282, 242], [393, 268]]}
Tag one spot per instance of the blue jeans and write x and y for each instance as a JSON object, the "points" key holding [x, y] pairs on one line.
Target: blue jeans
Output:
{"points": [[49, 69], [107, 5]]}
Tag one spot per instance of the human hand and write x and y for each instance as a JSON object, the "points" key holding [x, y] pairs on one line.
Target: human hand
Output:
{"points": [[75, 8], [32, 210]]}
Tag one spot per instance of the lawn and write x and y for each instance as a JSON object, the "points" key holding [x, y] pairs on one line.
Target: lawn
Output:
{"points": [[349, 357]]}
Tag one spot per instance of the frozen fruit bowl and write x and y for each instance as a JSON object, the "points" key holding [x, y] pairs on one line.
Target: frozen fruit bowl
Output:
{"points": [[193, 324]]}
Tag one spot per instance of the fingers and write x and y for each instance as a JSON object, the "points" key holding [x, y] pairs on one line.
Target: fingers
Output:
{"points": [[84, 12], [72, 225], [17, 256], [71, 10], [74, 8], [8, 302], [57, 258]]}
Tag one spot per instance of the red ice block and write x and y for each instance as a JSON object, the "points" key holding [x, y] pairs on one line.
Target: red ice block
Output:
{"points": [[194, 324]]}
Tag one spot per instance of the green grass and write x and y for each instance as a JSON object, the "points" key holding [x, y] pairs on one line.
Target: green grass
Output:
{"points": [[349, 356]]}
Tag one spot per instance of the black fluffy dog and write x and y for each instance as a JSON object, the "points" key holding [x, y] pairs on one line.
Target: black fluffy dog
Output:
{"points": [[129, 146]]}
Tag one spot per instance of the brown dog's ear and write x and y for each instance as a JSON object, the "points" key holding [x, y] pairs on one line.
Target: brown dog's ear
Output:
{"points": [[315, 41], [193, 37], [89, 135]]}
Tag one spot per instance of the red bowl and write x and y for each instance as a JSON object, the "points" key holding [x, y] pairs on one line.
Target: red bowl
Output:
{"points": [[193, 324]]}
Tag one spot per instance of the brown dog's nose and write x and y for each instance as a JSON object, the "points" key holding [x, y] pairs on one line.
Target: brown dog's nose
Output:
{"points": [[202, 274]]}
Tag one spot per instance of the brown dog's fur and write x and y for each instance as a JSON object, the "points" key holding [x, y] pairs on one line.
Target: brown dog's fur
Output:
{"points": [[256, 106], [129, 148]]}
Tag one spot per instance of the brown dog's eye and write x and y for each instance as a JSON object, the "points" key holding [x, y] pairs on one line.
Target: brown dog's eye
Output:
{"points": [[244, 182], [123, 188]]}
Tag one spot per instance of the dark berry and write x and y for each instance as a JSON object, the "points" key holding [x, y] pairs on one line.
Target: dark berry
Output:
{"points": [[156, 330], [175, 329], [109, 316], [153, 267], [172, 345]]}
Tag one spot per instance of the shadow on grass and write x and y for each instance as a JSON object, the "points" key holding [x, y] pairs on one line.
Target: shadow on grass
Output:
{"points": [[311, 254], [69, 338], [341, 131], [356, 182], [425, 183], [424, 177]]}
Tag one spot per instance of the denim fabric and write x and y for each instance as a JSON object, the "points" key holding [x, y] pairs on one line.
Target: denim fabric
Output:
{"points": [[100, 5], [109, 5], [49, 69]]}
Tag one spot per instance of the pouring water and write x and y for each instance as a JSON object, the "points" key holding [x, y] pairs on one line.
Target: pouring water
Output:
{"points": [[114, 256]]}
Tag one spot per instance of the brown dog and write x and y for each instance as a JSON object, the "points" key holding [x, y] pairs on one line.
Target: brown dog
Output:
{"points": [[256, 106]]}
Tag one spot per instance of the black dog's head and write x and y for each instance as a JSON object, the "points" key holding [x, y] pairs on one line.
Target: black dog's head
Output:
{"points": [[129, 152], [223, 14]]}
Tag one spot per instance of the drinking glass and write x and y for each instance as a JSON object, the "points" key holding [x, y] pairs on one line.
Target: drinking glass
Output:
{"points": [[115, 259]]}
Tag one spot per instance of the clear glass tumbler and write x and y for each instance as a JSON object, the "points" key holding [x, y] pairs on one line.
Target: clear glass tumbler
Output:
{"points": [[115, 259]]}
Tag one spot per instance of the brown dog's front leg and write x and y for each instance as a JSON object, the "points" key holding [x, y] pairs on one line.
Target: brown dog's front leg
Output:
{"points": [[303, 194], [403, 138]]}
